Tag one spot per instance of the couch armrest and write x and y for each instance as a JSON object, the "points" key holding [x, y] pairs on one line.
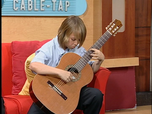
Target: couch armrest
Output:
{"points": [[100, 79]]}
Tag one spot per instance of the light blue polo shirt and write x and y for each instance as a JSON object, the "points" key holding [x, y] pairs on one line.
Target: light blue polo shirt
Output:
{"points": [[51, 52]]}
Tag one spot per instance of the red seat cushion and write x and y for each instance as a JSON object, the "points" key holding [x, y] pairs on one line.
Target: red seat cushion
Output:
{"points": [[17, 104]]}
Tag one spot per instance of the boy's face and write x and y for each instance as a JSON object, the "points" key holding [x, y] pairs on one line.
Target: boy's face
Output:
{"points": [[72, 42]]}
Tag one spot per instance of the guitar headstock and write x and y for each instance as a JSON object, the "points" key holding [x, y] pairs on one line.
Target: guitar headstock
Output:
{"points": [[113, 27]]}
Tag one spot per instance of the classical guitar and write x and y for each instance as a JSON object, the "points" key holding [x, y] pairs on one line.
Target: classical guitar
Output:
{"points": [[58, 96]]}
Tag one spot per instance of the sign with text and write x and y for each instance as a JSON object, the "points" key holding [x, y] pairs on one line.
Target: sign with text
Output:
{"points": [[43, 7]]}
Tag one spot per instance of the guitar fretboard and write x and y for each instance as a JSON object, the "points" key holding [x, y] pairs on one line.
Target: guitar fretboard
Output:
{"points": [[86, 57]]}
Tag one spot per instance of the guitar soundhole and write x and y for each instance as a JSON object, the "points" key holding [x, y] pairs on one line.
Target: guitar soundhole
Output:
{"points": [[72, 69], [75, 73]]}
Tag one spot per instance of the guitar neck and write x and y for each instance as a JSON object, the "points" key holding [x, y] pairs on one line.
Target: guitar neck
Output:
{"points": [[102, 40], [86, 57]]}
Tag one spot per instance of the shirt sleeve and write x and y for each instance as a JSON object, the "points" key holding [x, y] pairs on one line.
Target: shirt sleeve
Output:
{"points": [[42, 54], [90, 63]]}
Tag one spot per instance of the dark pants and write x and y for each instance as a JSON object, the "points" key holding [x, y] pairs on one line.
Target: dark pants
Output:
{"points": [[90, 102], [2, 105]]}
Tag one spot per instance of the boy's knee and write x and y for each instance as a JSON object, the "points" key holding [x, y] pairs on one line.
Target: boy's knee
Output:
{"points": [[98, 94]]}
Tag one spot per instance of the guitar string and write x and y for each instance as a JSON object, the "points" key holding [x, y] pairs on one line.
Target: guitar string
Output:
{"points": [[61, 82]]}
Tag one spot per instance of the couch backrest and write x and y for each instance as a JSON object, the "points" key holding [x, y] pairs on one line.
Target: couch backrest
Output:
{"points": [[6, 69]]}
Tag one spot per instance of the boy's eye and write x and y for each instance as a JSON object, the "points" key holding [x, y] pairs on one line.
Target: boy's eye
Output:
{"points": [[73, 39]]}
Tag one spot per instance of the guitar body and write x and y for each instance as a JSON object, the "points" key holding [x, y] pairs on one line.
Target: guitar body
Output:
{"points": [[66, 101]]}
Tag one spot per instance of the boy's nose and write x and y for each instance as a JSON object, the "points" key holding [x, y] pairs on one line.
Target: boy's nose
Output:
{"points": [[76, 42]]}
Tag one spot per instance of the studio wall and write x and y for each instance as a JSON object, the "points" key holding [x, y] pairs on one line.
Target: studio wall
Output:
{"points": [[26, 28]]}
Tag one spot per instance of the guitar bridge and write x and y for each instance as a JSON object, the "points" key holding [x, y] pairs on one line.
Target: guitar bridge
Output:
{"points": [[57, 90]]}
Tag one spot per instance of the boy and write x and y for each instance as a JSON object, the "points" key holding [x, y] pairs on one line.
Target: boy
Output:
{"points": [[71, 35]]}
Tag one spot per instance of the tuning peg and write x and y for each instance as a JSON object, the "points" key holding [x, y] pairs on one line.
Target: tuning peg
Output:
{"points": [[115, 34]]}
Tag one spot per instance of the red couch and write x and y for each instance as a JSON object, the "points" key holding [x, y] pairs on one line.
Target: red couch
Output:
{"points": [[13, 77]]}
